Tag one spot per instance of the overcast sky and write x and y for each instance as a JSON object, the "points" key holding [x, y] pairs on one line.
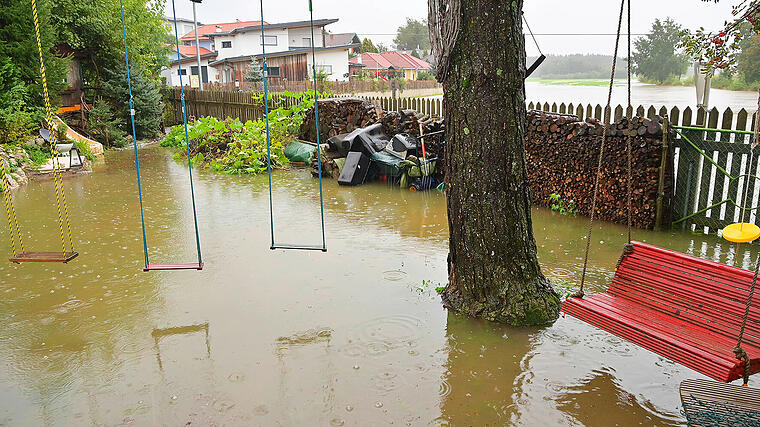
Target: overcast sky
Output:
{"points": [[379, 20]]}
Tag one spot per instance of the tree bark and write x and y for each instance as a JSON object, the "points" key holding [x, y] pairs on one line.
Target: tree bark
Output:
{"points": [[493, 267]]}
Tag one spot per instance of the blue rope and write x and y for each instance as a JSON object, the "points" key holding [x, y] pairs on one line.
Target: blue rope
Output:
{"points": [[134, 135], [316, 115], [266, 116], [187, 137]]}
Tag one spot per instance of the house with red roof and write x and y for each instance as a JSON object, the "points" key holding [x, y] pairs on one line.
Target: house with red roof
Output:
{"points": [[233, 46], [385, 63]]}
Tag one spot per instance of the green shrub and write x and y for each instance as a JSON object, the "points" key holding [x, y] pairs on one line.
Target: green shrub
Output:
{"points": [[564, 207], [104, 126], [17, 118], [39, 155], [241, 148], [425, 75]]}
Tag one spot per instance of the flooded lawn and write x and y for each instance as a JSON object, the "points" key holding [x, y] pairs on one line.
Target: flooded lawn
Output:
{"points": [[356, 336]]}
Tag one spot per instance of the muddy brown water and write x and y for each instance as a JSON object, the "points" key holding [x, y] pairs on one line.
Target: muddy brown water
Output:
{"points": [[356, 336]]}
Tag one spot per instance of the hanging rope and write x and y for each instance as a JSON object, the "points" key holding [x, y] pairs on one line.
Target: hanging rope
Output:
{"points": [[10, 210], [60, 199], [316, 115], [132, 113], [608, 114], [275, 245], [266, 118], [187, 137], [739, 352], [630, 129], [134, 135]]}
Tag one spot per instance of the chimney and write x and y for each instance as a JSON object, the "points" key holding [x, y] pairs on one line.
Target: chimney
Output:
{"points": [[218, 29]]}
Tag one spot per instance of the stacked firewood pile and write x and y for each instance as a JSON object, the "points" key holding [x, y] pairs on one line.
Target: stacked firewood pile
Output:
{"points": [[562, 155], [337, 116], [409, 121]]}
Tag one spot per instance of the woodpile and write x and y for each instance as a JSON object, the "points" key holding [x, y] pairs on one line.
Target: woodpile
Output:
{"points": [[330, 168], [562, 155], [338, 116], [409, 121]]}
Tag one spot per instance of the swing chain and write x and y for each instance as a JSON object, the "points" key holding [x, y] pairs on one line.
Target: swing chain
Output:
{"points": [[607, 116]]}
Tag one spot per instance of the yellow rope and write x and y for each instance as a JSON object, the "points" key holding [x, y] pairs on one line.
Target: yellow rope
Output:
{"points": [[10, 211], [60, 198]]}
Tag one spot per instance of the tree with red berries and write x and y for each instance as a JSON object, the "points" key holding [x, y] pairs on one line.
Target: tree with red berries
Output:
{"points": [[720, 49], [657, 57]]}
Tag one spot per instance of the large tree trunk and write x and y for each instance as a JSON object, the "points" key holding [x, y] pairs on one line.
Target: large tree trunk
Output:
{"points": [[493, 269]]}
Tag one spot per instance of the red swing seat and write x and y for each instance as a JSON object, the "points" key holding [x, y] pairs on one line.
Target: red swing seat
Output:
{"points": [[684, 308]]}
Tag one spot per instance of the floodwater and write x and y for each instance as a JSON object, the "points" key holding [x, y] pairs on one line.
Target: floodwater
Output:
{"points": [[641, 94], [356, 336]]}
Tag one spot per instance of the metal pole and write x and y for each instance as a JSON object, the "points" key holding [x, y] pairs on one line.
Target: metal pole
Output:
{"points": [[198, 49]]}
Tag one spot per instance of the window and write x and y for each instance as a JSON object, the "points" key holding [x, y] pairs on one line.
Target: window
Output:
{"points": [[182, 72], [306, 42], [270, 41], [194, 71], [273, 72], [226, 45], [326, 69]]}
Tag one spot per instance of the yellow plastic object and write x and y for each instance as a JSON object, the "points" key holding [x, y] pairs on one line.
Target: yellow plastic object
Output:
{"points": [[741, 232]]}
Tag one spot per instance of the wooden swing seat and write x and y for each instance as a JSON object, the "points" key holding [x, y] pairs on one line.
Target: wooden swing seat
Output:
{"points": [[62, 257], [683, 308], [173, 267]]}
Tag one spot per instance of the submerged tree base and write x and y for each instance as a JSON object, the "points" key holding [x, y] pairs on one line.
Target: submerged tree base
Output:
{"points": [[513, 307]]}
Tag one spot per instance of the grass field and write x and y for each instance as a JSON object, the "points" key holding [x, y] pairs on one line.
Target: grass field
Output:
{"points": [[577, 82]]}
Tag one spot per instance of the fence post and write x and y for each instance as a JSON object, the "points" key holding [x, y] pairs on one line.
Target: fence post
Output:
{"points": [[661, 183]]}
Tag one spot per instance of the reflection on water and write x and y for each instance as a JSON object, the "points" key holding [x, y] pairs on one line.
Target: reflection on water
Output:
{"points": [[260, 337]]}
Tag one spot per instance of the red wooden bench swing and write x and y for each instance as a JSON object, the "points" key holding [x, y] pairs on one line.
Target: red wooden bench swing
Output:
{"points": [[695, 312]]}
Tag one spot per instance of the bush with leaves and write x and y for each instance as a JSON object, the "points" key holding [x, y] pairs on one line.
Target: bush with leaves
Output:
{"points": [[147, 99], [241, 148], [104, 126], [17, 117]]}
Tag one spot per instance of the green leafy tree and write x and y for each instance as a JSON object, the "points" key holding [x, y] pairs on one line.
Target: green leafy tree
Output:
{"points": [[254, 72], [17, 117], [748, 61], [381, 47], [657, 56], [368, 46], [719, 49], [415, 54], [93, 28], [412, 35], [147, 99], [18, 44]]}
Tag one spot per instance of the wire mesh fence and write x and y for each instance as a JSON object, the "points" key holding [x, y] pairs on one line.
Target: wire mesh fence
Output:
{"points": [[716, 179]]}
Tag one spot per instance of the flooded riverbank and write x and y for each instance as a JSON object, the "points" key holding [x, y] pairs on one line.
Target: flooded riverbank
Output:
{"points": [[350, 337]]}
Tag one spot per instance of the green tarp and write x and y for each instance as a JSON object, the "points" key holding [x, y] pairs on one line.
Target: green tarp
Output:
{"points": [[299, 151]]}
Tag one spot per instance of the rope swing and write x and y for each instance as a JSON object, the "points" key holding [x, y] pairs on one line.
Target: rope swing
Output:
{"points": [[67, 244], [274, 245], [148, 266]]}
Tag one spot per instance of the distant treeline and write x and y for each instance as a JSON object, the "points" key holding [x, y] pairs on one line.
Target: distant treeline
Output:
{"points": [[578, 66]]}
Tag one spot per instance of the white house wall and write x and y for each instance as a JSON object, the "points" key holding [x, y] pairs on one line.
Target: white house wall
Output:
{"points": [[296, 36], [337, 58], [249, 43], [172, 75]]}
